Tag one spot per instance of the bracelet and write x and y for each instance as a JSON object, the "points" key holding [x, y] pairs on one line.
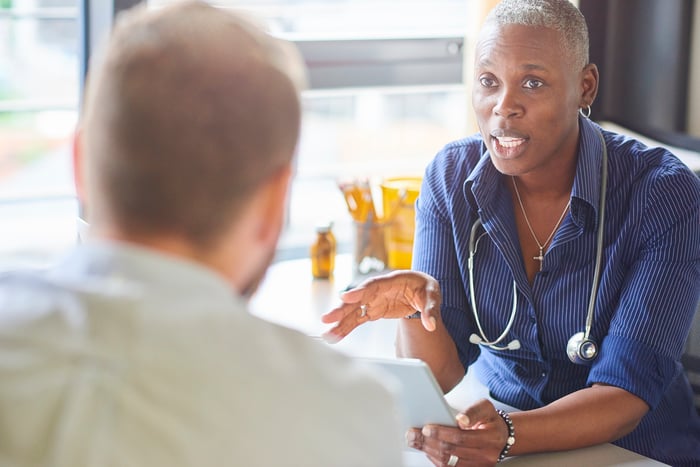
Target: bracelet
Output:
{"points": [[511, 435]]}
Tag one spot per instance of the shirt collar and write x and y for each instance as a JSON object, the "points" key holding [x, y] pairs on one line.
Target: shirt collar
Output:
{"points": [[120, 266], [482, 185], [585, 194]]}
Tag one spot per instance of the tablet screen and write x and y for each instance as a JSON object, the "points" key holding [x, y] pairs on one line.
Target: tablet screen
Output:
{"points": [[420, 397]]}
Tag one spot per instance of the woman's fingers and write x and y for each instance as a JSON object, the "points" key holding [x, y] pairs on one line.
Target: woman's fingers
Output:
{"points": [[481, 444], [436, 435], [429, 322], [336, 314], [394, 295], [481, 412], [351, 301], [423, 293], [352, 316], [414, 438]]}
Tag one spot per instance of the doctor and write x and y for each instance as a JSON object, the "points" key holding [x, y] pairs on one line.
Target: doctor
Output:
{"points": [[584, 255]]}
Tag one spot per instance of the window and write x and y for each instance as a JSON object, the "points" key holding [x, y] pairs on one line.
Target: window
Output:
{"points": [[364, 133], [385, 95], [39, 88]]}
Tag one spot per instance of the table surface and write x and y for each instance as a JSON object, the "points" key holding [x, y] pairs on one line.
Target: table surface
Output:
{"points": [[290, 296]]}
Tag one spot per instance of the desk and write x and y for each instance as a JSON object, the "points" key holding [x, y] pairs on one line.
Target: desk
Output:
{"points": [[289, 296]]}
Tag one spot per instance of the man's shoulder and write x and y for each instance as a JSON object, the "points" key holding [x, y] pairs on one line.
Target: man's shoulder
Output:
{"points": [[204, 361], [26, 294], [313, 358]]}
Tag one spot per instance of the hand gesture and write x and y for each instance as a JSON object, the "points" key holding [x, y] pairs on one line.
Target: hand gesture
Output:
{"points": [[394, 295], [478, 441]]}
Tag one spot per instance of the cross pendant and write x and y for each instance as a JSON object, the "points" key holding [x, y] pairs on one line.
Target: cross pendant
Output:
{"points": [[539, 258]]}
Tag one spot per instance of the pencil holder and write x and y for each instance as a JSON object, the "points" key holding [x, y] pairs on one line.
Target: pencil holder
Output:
{"points": [[399, 197], [369, 247]]}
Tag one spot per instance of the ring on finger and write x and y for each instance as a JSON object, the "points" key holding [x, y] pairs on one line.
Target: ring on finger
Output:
{"points": [[363, 311], [452, 461]]}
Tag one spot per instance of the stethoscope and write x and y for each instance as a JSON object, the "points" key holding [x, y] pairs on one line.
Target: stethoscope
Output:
{"points": [[581, 348]]}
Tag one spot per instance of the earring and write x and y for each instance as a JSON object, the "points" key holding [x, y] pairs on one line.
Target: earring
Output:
{"points": [[587, 112]]}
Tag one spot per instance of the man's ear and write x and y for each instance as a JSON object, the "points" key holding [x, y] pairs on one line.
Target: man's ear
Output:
{"points": [[78, 168], [274, 204], [589, 83]]}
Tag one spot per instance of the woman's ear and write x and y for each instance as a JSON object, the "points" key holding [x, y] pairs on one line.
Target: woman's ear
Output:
{"points": [[589, 84]]}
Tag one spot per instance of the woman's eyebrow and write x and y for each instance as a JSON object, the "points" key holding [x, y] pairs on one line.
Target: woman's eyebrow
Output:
{"points": [[486, 62], [533, 67]]}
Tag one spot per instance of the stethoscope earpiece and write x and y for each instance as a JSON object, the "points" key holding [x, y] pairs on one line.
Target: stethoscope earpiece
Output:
{"points": [[512, 345]]}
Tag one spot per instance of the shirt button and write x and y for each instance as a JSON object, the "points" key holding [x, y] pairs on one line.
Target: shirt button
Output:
{"points": [[533, 320], [544, 374]]}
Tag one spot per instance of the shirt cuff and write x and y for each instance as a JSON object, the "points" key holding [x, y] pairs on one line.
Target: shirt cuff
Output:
{"points": [[634, 367]]}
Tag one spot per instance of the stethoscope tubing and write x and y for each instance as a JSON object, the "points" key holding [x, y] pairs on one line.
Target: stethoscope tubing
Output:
{"points": [[599, 246], [515, 344]]}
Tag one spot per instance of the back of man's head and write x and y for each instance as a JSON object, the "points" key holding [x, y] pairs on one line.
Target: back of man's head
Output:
{"points": [[190, 110]]}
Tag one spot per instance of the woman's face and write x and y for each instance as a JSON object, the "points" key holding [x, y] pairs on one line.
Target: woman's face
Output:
{"points": [[526, 95]]}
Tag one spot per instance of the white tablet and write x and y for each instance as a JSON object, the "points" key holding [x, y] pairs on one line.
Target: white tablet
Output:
{"points": [[420, 397]]}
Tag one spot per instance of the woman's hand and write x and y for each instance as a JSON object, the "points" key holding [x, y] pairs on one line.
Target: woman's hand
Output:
{"points": [[478, 441], [394, 295]]}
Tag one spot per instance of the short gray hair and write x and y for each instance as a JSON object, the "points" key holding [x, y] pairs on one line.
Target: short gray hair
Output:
{"points": [[560, 15]]}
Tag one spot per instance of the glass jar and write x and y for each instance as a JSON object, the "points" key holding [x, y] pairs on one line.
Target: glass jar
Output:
{"points": [[323, 252]]}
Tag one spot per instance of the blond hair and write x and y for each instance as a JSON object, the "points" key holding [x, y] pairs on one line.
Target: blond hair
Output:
{"points": [[189, 110]]}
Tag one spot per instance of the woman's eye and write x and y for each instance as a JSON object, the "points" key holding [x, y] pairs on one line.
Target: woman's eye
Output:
{"points": [[487, 82], [533, 83]]}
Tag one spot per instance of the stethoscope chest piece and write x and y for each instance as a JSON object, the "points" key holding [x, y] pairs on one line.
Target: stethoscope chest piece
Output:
{"points": [[581, 350]]}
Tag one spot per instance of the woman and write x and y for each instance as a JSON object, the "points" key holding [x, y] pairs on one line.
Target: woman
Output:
{"points": [[585, 254]]}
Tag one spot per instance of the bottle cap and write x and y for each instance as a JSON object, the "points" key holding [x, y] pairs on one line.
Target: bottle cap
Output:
{"points": [[324, 227]]}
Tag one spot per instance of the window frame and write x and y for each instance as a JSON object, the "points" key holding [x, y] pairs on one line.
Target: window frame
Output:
{"points": [[331, 63]]}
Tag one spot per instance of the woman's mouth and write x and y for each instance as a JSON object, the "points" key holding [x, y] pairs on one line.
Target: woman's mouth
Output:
{"points": [[508, 147], [507, 142]]}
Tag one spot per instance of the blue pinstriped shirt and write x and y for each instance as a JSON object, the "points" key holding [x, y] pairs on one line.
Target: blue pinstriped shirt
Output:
{"points": [[649, 288]]}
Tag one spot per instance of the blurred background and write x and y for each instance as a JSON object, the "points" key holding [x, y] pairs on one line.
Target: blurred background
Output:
{"points": [[364, 129], [389, 87]]}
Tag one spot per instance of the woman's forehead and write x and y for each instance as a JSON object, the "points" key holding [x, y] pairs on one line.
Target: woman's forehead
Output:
{"points": [[520, 45]]}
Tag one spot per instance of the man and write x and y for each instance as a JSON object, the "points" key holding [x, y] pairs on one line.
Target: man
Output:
{"points": [[558, 261], [137, 349]]}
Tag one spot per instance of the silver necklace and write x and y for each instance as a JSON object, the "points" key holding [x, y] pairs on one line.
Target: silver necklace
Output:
{"points": [[541, 246]]}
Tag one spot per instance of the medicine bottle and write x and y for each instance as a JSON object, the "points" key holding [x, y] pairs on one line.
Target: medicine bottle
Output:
{"points": [[323, 252]]}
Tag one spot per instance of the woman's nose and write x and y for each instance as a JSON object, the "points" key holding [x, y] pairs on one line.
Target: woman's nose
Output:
{"points": [[507, 105]]}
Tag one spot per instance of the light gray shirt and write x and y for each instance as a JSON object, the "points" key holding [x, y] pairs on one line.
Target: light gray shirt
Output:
{"points": [[123, 356]]}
